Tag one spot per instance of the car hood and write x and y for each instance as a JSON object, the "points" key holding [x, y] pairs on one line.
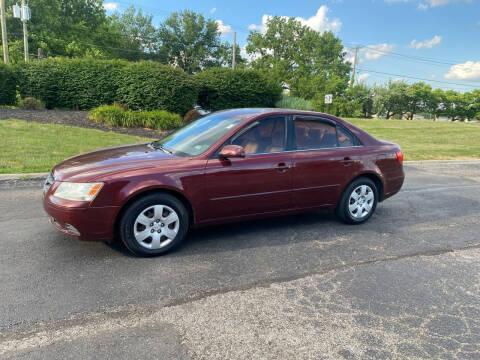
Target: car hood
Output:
{"points": [[91, 165]]}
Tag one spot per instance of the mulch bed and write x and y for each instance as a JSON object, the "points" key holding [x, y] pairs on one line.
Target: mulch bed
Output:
{"points": [[73, 118]]}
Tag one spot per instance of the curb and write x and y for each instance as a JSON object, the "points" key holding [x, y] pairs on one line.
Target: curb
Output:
{"points": [[23, 177], [450, 162]]}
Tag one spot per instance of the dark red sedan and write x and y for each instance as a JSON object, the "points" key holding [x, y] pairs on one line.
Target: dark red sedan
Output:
{"points": [[228, 166]]}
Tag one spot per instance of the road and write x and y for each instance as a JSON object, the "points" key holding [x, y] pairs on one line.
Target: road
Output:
{"points": [[404, 285]]}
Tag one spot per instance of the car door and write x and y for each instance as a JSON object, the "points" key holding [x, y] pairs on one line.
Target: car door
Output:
{"points": [[261, 182], [321, 164]]}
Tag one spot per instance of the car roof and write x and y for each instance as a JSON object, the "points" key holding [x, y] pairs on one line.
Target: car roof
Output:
{"points": [[263, 111]]}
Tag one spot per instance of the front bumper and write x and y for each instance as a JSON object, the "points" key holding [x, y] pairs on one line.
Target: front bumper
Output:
{"points": [[91, 223]]}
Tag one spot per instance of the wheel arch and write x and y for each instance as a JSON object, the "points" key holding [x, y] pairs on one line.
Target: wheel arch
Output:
{"points": [[135, 197], [377, 180]]}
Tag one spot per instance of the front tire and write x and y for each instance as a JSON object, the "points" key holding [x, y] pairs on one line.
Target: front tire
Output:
{"points": [[358, 201], [154, 224]]}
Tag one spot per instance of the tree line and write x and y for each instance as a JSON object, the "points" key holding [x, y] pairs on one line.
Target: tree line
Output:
{"points": [[310, 64]]}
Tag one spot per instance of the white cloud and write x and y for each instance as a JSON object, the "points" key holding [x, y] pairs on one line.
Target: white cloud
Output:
{"points": [[374, 52], [263, 26], [110, 6], [223, 28], [466, 71], [318, 22], [213, 10], [363, 76], [422, 6], [428, 44]]}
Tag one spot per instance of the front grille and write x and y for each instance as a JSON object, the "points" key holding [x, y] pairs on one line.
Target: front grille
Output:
{"points": [[48, 182]]}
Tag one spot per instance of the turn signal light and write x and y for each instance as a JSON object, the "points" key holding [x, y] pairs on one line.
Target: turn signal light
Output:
{"points": [[399, 156]]}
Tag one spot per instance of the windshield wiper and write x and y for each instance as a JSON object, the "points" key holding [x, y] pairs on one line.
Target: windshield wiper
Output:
{"points": [[160, 147]]}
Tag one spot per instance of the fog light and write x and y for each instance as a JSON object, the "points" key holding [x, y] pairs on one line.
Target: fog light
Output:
{"points": [[71, 229]]}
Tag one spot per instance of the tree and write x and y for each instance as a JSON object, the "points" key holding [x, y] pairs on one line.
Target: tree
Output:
{"points": [[362, 96], [417, 98], [312, 64], [223, 57], [60, 27], [138, 37], [435, 103], [189, 41], [391, 100]]}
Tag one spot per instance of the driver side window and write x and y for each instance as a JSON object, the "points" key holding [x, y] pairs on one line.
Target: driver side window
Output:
{"points": [[267, 136]]}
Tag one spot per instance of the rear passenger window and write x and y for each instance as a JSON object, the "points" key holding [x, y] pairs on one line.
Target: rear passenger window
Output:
{"points": [[345, 139], [311, 134]]}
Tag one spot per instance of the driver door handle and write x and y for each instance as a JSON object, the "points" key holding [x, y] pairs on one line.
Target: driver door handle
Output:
{"points": [[282, 167]]}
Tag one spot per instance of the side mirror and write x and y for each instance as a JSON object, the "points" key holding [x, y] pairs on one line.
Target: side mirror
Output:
{"points": [[232, 151]]}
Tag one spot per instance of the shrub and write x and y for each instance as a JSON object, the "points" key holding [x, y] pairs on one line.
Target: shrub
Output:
{"points": [[222, 88], [150, 85], [117, 116], [70, 83], [7, 85], [293, 102], [30, 103], [191, 115]]}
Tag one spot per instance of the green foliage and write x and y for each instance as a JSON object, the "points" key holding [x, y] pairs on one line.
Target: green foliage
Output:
{"points": [[30, 103], [87, 83], [137, 34], [189, 40], [62, 28], [312, 64], [117, 116], [222, 88], [293, 102], [7, 85], [149, 86], [70, 83]]}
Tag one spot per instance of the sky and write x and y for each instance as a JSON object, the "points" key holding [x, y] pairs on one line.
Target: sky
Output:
{"points": [[437, 41]]}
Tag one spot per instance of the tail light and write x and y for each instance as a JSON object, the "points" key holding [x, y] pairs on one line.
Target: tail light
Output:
{"points": [[399, 156]]}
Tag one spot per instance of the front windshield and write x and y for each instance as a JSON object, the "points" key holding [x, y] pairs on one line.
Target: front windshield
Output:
{"points": [[196, 137]]}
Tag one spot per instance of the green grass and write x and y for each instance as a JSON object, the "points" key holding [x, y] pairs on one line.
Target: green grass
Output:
{"points": [[427, 140], [32, 147]]}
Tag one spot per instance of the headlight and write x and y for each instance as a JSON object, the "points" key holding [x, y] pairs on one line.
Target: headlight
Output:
{"points": [[78, 191]]}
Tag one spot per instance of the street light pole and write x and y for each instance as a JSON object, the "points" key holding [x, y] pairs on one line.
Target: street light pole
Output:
{"points": [[4, 32]]}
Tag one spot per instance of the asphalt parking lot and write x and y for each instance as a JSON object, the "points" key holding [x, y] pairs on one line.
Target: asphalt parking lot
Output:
{"points": [[404, 285]]}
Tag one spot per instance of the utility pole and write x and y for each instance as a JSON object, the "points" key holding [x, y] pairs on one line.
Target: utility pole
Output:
{"points": [[25, 17], [4, 32], [354, 65], [234, 49]]}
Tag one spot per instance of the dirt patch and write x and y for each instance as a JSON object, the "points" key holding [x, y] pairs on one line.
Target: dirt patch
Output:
{"points": [[73, 118]]}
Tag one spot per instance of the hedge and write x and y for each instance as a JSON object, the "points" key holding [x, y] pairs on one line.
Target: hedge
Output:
{"points": [[223, 88], [70, 83], [87, 83], [7, 85], [116, 116], [150, 85]]}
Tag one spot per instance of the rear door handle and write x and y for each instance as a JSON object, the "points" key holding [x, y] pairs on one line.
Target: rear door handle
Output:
{"points": [[347, 161]]}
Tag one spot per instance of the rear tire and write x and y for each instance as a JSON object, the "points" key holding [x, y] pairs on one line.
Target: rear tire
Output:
{"points": [[154, 224], [358, 201]]}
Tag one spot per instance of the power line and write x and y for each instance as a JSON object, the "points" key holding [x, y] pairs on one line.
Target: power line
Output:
{"points": [[418, 78]]}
